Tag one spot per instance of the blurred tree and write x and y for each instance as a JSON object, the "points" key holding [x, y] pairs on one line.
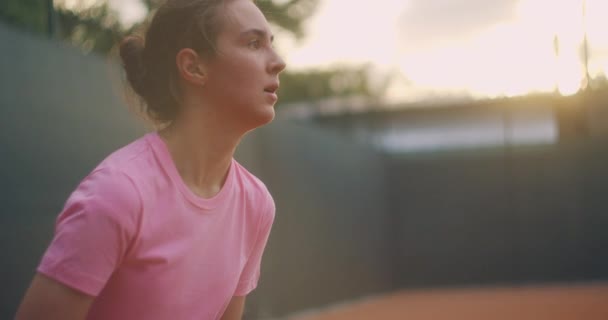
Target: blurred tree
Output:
{"points": [[600, 82], [314, 85], [28, 14], [288, 15], [97, 28]]}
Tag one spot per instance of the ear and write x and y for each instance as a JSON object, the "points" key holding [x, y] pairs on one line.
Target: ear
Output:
{"points": [[190, 67]]}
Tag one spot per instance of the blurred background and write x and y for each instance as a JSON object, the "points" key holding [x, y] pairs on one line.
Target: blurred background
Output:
{"points": [[427, 155]]}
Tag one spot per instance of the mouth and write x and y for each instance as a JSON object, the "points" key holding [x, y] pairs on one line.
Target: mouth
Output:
{"points": [[273, 88]]}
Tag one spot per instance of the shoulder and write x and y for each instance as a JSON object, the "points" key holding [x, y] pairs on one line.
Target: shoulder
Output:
{"points": [[129, 169], [129, 158], [256, 191], [106, 192], [111, 189], [249, 182]]}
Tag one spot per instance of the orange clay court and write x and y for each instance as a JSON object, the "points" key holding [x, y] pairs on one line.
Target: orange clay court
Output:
{"points": [[565, 302]]}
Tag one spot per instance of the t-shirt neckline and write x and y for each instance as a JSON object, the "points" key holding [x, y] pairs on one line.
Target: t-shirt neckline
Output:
{"points": [[164, 157]]}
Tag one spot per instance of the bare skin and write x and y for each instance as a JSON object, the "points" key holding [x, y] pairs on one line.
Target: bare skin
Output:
{"points": [[48, 299], [235, 309], [223, 98]]}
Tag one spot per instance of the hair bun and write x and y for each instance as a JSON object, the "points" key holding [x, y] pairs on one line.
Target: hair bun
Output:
{"points": [[131, 53]]}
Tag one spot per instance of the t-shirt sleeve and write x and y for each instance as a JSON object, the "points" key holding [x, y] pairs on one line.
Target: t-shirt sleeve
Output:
{"points": [[251, 273], [93, 232]]}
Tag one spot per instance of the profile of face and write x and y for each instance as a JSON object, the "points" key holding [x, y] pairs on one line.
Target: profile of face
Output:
{"points": [[241, 80]]}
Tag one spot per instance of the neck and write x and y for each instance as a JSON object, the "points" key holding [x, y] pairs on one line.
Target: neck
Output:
{"points": [[202, 152]]}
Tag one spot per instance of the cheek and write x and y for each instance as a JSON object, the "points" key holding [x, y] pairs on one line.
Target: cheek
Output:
{"points": [[240, 68], [236, 86], [234, 92], [236, 80]]}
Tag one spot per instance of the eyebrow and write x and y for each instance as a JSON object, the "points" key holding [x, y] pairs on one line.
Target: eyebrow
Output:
{"points": [[258, 32]]}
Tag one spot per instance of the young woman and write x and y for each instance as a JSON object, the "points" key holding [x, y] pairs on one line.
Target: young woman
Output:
{"points": [[171, 226]]}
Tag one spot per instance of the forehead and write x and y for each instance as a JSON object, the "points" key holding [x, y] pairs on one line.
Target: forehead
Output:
{"points": [[241, 15]]}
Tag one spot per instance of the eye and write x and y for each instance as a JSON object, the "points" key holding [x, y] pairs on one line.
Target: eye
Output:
{"points": [[254, 44]]}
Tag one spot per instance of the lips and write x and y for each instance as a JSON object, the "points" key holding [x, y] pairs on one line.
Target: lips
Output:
{"points": [[272, 88]]}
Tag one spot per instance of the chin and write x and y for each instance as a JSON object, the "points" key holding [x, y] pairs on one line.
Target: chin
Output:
{"points": [[263, 116], [267, 115]]}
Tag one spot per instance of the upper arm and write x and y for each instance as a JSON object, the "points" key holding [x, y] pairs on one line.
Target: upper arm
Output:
{"points": [[93, 233], [49, 300], [235, 308], [251, 272]]}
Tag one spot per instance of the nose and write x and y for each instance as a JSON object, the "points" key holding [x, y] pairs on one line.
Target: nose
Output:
{"points": [[277, 64]]}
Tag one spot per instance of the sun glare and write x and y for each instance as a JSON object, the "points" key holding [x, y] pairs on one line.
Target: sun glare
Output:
{"points": [[349, 32], [538, 51], [564, 21]]}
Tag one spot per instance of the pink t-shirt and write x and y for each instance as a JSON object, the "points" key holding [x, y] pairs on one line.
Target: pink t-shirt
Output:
{"points": [[138, 239]]}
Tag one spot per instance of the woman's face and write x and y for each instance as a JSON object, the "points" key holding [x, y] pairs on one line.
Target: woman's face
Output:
{"points": [[243, 77]]}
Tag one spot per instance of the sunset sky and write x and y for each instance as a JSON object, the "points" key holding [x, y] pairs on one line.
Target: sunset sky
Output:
{"points": [[483, 47], [433, 47]]}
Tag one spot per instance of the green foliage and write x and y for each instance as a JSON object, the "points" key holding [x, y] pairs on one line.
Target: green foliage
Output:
{"points": [[98, 29], [28, 14], [313, 85], [288, 15], [599, 83], [93, 29]]}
